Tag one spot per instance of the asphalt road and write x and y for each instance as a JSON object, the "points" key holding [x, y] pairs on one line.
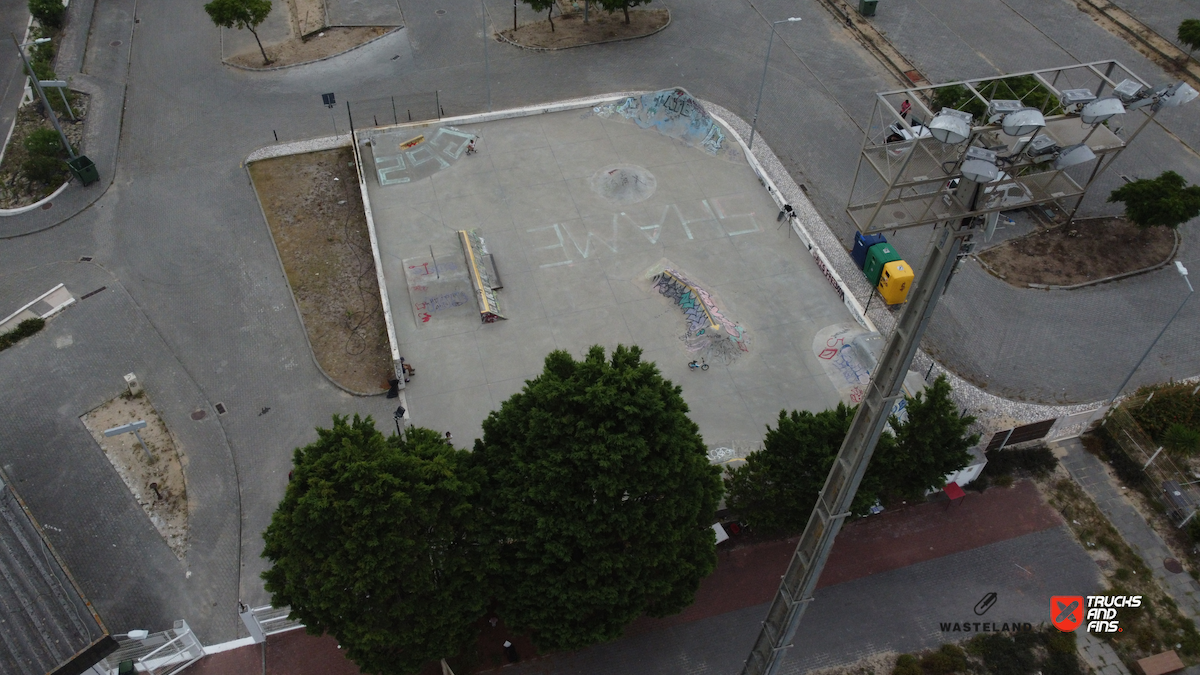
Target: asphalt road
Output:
{"points": [[182, 234]]}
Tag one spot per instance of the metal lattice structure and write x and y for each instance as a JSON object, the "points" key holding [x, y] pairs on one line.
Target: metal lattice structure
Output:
{"points": [[904, 176]]}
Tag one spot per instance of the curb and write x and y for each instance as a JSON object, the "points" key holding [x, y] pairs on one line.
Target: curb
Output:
{"points": [[4, 213], [1115, 277], [586, 44], [305, 63], [292, 294]]}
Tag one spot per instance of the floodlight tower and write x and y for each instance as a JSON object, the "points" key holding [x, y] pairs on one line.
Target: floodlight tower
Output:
{"points": [[948, 175]]}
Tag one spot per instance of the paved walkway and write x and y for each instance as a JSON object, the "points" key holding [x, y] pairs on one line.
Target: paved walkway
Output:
{"points": [[1088, 471], [1099, 655]]}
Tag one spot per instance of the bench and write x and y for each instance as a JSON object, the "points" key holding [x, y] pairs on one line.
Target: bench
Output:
{"points": [[1159, 664]]}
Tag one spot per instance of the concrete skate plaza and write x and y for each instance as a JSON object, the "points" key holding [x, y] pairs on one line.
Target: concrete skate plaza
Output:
{"points": [[556, 199]]}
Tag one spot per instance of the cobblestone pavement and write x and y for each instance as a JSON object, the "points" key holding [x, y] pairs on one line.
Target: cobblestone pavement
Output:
{"points": [[1099, 655]]}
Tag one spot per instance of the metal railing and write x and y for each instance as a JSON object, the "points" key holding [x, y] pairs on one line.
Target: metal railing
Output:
{"points": [[158, 653]]}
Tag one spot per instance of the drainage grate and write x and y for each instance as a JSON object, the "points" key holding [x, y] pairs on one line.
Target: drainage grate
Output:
{"points": [[220, 408], [85, 296], [440, 12], [85, 258], [198, 415], [115, 43], [47, 205]]}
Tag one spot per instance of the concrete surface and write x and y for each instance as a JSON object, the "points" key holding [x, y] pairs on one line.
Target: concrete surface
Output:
{"points": [[364, 13], [574, 266]]}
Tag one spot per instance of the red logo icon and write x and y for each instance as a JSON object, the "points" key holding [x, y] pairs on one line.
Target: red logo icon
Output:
{"points": [[1066, 612]]}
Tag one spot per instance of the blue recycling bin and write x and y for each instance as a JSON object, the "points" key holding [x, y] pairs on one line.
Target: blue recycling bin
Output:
{"points": [[862, 244]]}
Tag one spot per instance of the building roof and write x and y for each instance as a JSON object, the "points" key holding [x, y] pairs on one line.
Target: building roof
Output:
{"points": [[45, 622]]}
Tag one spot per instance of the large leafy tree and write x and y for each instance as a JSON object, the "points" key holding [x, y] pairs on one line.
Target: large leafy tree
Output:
{"points": [[600, 496], [241, 14], [931, 442], [611, 6], [1167, 200], [777, 487], [375, 543]]}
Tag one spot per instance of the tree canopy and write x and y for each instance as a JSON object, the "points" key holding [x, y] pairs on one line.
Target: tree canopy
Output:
{"points": [[1167, 200], [930, 443], [375, 543], [611, 6], [241, 14], [777, 487], [539, 5], [1189, 34], [600, 499]]}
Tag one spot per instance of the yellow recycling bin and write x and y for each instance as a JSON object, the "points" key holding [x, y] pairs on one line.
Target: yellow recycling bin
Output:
{"points": [[894, 282]]}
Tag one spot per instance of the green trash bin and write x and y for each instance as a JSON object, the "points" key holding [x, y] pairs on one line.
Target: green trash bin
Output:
{"points": [[867, 7], [878, 256], [84, 169]]}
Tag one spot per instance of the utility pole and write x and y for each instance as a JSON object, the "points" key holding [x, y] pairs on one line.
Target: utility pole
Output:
{"points": [[41, 94], [833, 504], [486, 70]]}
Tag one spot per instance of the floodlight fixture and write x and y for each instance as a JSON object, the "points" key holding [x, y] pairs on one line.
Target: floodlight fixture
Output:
{"points": [[1072, 155], [1176, 95], [1023, 121], [1073, 99], [1101, 110], [1041, 146], [980, 165], [1129, 91], [998, 108], [950, 126]]}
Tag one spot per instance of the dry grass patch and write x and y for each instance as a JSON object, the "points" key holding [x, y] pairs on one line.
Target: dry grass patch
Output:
{"points": [[1083, 251], [157, 482], [570, 31], [315, 213], [329, 42]]}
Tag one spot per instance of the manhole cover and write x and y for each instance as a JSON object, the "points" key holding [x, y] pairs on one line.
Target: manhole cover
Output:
{"points": [[440, 12], [624, 183], [898, 214], [115, 43], [1172, 566], [47, 205], [198, 415], [220, 408]]}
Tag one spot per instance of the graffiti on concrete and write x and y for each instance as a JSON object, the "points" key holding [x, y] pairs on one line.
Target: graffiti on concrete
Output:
{"points": [[672, 112], [709, 332], [441, 302], [401, 160]]}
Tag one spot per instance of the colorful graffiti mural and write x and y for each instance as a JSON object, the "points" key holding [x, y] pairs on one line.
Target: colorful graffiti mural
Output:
{"points": [[709, 332]]}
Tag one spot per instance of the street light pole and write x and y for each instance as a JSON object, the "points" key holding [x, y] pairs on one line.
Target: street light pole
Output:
{"points": [[1183, 273], [766, 61], [41, 94], [486, 70]]}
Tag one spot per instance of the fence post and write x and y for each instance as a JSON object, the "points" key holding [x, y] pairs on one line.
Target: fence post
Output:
{"points": [[395, 119]]}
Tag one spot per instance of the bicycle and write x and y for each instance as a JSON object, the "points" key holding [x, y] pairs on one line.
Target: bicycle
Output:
{"points": [[701, 365]]}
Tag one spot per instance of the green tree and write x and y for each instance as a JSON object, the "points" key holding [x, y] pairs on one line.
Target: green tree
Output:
{"points": [[1182, 439], [375, 542], [49, 13], [1167, 200], [44, 143], [539, 5], [611, 6], [931, 442], [241, 14], [777, 487], [600, 496], [1189, 34]]}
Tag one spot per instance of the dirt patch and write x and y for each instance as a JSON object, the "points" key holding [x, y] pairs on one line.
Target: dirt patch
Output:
{"points": [[15, 189], [327, 43], [882, 662], [157, 482], [315, 212], [571, 31], [1086, 250]]}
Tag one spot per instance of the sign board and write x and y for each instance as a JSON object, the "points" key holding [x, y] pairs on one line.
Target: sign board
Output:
{"points": [[328, 100]]}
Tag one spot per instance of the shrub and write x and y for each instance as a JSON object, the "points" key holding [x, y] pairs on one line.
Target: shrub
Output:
{"points": [[1128, 469], [907, 664], [43, 169], [1059, 642], [44, 143], [1039, 461], [49, 13], [1172, 404], [1182, 439], [23, 330], [949, 659]]}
